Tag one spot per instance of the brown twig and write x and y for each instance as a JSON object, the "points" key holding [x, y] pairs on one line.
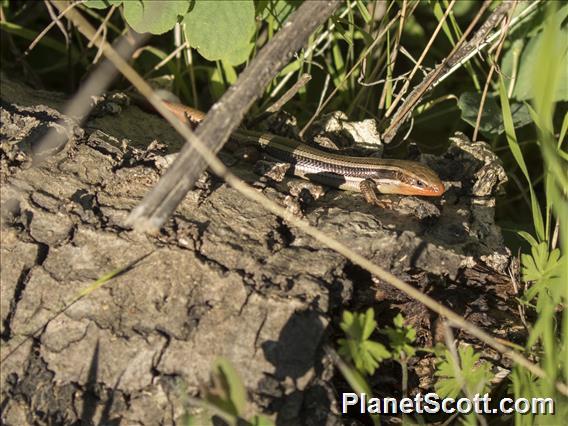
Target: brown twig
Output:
{"points": [[96, 84], [289, 94], [418, 63], [54, 21], [351, 71], [392, 61], [460, 50], [456, 320], [225, 116], [276, 106], [491, 70]]}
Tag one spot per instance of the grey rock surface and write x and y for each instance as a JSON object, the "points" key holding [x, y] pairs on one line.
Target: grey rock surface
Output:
{"points": [[223, 278]]}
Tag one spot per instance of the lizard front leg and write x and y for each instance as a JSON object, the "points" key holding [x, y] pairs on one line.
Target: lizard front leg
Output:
{"points": [[368, 189]]}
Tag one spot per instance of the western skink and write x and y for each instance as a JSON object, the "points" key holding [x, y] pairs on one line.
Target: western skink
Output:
{"points": [[367, 175]]}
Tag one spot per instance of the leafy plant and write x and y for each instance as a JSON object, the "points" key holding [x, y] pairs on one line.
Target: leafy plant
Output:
{"points": [[543, 268], [218, 30], [366, 354], [491, 123], [225, 398], [461, 375], [401, 338]]}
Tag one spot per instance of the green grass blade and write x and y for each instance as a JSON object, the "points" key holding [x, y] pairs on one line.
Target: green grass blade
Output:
{"points": [[518, 155]]}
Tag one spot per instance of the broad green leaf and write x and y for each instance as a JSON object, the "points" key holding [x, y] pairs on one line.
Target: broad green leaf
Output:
{"points": [[491, 123], [222, 30], [530, 65], [154, 16], [102, 4]]}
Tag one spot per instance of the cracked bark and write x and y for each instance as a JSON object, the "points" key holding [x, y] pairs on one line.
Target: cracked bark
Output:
{"points": [[225, 278]]}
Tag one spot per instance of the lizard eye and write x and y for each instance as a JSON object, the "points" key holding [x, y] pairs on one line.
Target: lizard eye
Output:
{"points": [[419, 184]]}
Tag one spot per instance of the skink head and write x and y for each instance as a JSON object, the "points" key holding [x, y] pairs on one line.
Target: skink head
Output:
{"points": [[411, 178]]}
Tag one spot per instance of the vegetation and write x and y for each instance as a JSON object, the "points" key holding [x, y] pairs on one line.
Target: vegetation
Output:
{"points": [[367, 58]]}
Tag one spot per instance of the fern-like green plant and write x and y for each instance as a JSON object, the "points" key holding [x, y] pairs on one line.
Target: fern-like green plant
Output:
{"points": [[461, 375], [401, 338], [366, 354]]}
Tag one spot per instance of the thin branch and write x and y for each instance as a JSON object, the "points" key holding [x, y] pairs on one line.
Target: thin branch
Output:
{"points": [[460, 50], [387, 88], [103, 26], [225, 116], [348, 74], [517, 20], [96, 84], [289, 94], [311, 50], [491, 70], [55, 21], [420, 59], [276, 106], [219, 168], [168, 58]]}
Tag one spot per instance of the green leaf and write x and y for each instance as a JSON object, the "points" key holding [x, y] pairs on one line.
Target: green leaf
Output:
{"points": [[401, 338], [361, 6], [154, 16], [369, 324], [222, 30], [398, 321], [491, 123], [439, 13], [518, 155], [544, 268], [364, 353], [465, 375], [102, 4], [464, 7], [530, 64], [528, 237], [279, 10], [260, 420], [230, 73], [563, 130], [232, 386], [377, 350], [510, 61], [354, 378]]}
